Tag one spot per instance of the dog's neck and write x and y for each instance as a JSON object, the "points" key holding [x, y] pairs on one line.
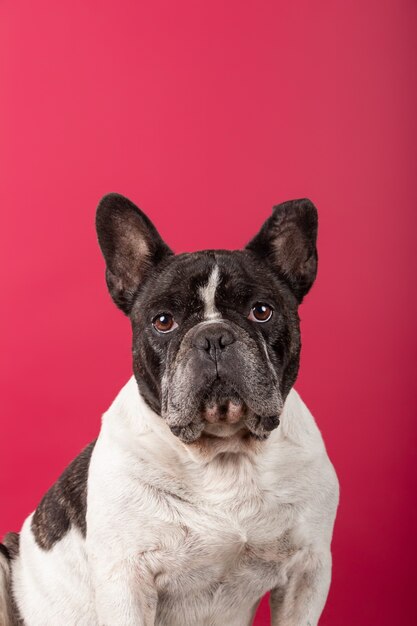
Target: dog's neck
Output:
{"points": [[130, 421]]}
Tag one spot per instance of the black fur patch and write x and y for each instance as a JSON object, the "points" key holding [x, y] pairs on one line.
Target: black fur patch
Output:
{"points": [[4, 551], [64, 505], [11, 545], [10, 549]]}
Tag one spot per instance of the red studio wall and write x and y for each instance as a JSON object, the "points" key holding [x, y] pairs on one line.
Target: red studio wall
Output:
{"points": [[206, 114]]}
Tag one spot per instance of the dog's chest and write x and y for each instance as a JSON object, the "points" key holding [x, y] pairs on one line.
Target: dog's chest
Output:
{"points": [[234, 537]]}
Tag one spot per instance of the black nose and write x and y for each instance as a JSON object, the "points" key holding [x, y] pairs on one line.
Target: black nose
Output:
{"points": [[213, 339]]}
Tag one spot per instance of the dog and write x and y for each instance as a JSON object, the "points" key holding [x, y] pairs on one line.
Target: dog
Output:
{"points": [[209, 484]]}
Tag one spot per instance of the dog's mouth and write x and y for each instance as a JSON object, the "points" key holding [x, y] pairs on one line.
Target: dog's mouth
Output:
{"points": [[228, 420], [224, 430], [228, 411], [223, 415]]}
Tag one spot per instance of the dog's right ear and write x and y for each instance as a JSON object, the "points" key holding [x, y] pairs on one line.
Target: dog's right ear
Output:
{"points": [[131, 247]]}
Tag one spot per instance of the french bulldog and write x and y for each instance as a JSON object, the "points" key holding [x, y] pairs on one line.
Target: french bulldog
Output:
{"points": [[209, 484]]}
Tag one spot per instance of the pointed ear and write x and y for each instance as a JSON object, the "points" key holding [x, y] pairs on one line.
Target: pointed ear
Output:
{"points": [[131, 247], [287, 242]]}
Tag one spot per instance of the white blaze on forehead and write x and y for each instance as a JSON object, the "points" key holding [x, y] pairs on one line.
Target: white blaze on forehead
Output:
{"points": [[207, 294]]}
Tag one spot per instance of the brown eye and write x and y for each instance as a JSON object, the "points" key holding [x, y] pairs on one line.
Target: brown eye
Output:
{"points": [[164, 323], [261, 312]]}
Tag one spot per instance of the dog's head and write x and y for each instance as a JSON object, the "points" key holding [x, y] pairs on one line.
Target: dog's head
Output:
{"points": [[216, 338]]}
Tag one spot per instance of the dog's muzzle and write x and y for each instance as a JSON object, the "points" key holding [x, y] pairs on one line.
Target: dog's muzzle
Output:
{"points": [[220, 378]]}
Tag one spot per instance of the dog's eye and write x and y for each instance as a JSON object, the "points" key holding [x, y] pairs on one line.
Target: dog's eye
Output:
{"points": [[164, 323], [260, 312]]}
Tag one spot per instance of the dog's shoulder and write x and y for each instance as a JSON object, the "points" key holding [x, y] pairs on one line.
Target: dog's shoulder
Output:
{"points": [[64, 504], [297, 462]]}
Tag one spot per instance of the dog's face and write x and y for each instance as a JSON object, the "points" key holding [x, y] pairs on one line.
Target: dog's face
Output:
{"points": [[216, 340]]}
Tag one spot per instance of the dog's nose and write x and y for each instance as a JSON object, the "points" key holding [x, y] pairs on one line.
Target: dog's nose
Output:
{"points": [[213, 339]]}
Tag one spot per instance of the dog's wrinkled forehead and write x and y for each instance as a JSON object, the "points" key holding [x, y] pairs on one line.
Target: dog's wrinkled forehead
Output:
{"points": [[188, 285], [210, 285]]}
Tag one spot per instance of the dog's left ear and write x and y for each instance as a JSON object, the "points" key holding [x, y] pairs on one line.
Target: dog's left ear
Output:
{"points": [[131, 247], [287, 242]]}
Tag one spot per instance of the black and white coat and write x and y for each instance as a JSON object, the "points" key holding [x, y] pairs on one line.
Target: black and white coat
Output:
{"points": [[152, 525]]}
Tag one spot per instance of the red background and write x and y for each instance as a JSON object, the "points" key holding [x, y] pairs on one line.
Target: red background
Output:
{"points": [[206, 114]]}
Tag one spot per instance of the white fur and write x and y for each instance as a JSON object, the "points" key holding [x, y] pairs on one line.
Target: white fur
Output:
{"points": [[207, 294], [53, 587], [174, 539]]}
